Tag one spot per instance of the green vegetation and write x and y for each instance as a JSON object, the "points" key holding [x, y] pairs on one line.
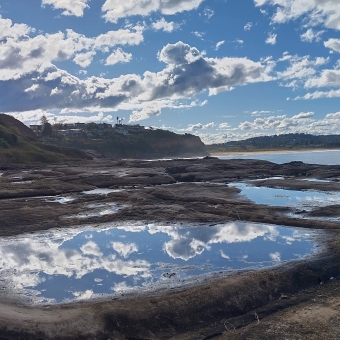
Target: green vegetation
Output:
{"points": [[292, 141], [47, 129], [7, 138], [18, 144]]}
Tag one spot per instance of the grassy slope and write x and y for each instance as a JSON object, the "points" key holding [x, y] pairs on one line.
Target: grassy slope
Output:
{"points": [[18, 144]]}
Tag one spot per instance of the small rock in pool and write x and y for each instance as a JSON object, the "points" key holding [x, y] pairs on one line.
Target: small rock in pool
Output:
{"points": [[169, 275]]}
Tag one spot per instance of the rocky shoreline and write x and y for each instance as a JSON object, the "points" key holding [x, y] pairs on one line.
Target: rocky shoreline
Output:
{"points": [[173, 191]]}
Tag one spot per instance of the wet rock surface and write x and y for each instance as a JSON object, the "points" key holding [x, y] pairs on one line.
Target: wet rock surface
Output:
{"points": [[330, 211], [168, 191]]}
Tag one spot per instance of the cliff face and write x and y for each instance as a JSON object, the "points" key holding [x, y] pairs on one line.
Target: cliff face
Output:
{"points": [[146, 144], [172, 145]]}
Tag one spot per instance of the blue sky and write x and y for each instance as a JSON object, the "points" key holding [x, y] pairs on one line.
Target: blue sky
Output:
{"points": [[223, 70]]}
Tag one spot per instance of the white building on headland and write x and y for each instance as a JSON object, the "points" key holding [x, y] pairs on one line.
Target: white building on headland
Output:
{"points": [[125, 129], [36, 128], [74, 133], [78, 130]]}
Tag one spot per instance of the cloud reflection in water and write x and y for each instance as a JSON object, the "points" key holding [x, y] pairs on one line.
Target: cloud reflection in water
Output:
{"points": [[75, 264], [292, 198]]}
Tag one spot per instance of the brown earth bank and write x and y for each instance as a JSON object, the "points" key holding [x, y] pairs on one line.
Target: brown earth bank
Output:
{"points": [[258, 304]]}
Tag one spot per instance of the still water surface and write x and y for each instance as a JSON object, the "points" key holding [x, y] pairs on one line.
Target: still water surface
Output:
{"points": [[69, 265], [330, 157], [307, 199]]}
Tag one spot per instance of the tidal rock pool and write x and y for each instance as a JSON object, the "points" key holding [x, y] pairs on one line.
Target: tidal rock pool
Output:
{"points": [[101, 191], [68, 265], [60, 199], [306, 199], [97, 210]]}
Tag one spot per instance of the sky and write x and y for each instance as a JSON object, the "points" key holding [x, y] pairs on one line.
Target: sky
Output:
{"points": [[220, 69]]}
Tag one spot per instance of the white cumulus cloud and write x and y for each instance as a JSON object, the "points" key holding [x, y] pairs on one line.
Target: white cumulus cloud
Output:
{"points": [[327, 78], [333, 44], [282, 123], [275, 256], [326, 12], [248, 26], [84, 59], [162, 24], [70, 7], [118, 56], [310, 35], [208, 12], [21, 54], [224, 126], [199, 126], [301, 70], [30, 80], [271, 39], [319, 95], [219, 44], [117, 9]]}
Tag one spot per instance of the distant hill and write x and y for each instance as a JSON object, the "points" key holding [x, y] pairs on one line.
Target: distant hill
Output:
{"points": [[292, 141], [144, 143], [19, 144]]}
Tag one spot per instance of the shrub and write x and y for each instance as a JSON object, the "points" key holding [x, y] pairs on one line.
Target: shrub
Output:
{"points": [[3, 143], [8, 136]]}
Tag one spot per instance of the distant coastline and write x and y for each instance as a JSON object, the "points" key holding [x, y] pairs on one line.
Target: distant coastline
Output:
{"points": [[291, 142], [258, 152]]}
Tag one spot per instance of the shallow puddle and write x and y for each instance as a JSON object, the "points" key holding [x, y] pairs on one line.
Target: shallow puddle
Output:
{"points": [[335, 219], [306, 200], [61, 199], [316, 180], [98, 191], [97, 210], [295, 178], [22, 182], [267, 178], [69, 265]]}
